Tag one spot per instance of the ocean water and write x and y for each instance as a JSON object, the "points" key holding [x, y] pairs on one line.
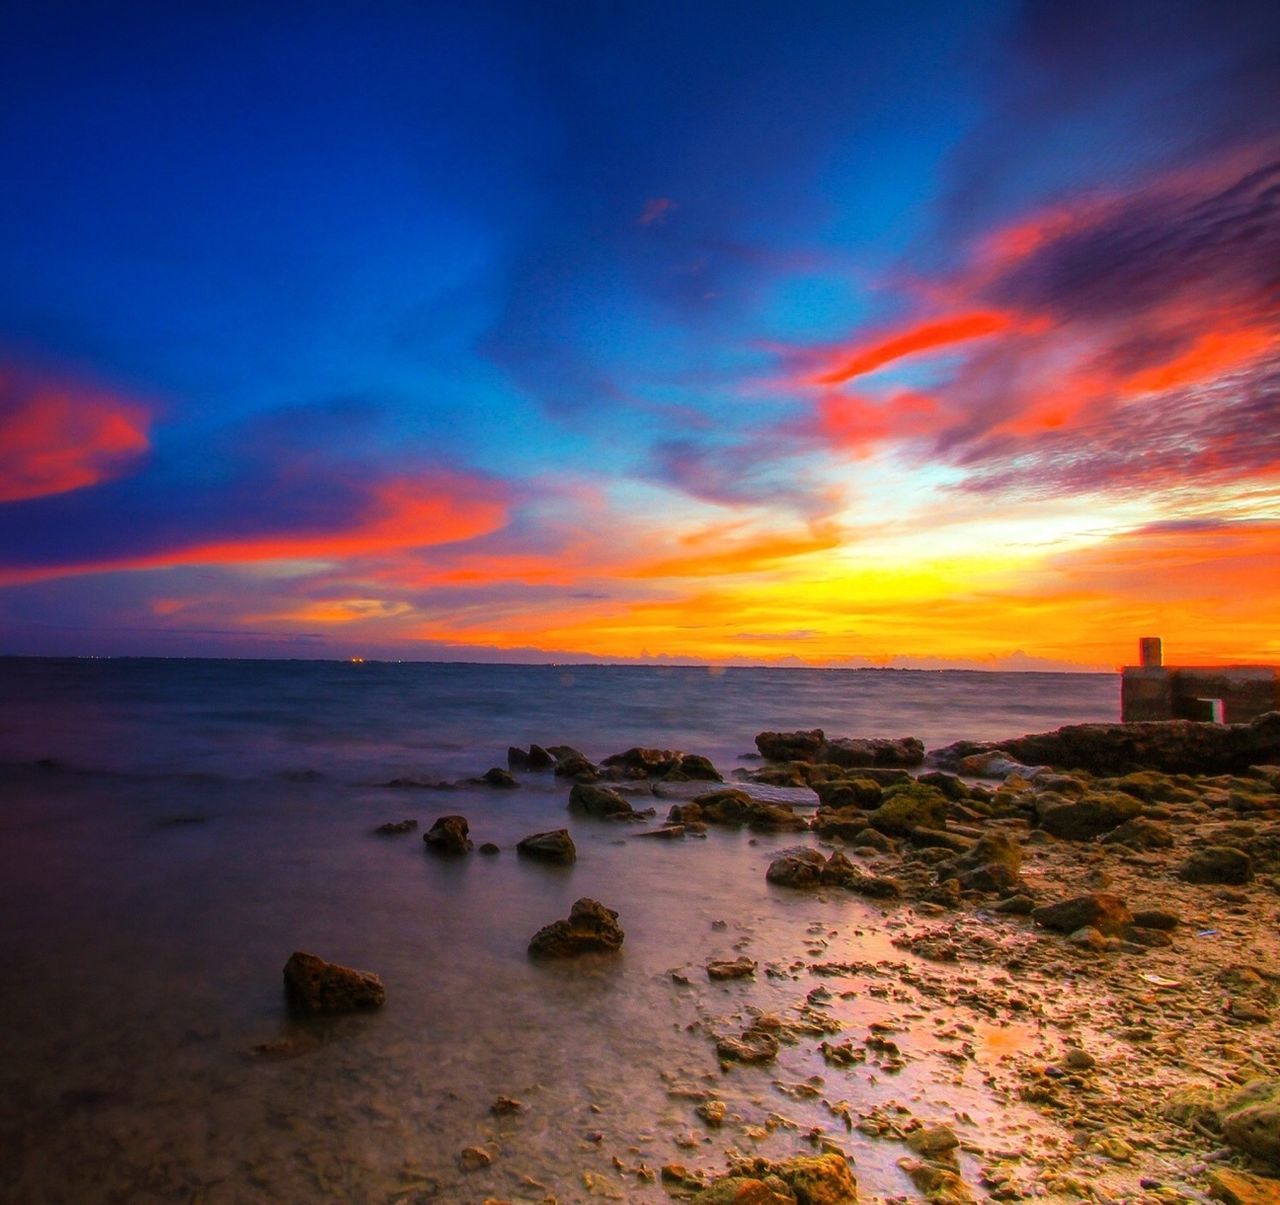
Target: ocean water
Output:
{"points": [[170, 831]]}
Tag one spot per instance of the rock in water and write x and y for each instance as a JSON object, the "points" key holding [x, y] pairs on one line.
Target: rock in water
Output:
{"points": [[315, 986], [590, 927], [448, 835], [600, 802], [555, 846], [791, 746]]}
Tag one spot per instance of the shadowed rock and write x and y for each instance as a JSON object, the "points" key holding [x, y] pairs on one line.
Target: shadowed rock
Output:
{"points": [[1217, 864], [315, 986], [1106, 913], [600, 802], [392, 827], [556, 846], [591, 928], [448, 835]]}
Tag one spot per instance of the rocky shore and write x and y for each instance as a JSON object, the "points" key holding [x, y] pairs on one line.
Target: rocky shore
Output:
{"points": [[1098, 903]]}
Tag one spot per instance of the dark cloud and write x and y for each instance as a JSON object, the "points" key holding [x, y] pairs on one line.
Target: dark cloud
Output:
{"points": [[1155, 246]]}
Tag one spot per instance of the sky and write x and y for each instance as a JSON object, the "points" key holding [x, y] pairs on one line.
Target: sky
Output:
{"points": [[748, 333]]}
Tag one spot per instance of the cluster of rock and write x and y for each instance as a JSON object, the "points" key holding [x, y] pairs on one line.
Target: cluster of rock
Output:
{"points": [[1167, 746], [813, 746], [636, 763], [803, 1180]]}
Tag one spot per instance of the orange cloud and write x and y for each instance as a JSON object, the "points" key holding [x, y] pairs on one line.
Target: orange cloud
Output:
{"points": [[924, 337], [1210, 355], [57, 436]]}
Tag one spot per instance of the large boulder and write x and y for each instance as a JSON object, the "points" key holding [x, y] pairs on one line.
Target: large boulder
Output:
{"points": [[791, 746], [600, 802], [1083, 819], [1251, 1120], [1098, 910], [838, 793], [1169, 746], [1217, 864], [315, 986], [591, 928], [797, 868], [853, 752], [556, 846], [909, 807], [448, 835]]}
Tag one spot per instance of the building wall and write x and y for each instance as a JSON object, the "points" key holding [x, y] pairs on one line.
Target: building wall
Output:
{"points": [[1246, 691]]}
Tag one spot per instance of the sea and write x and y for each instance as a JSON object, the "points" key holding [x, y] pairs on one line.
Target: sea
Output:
{"points": [[172, 830]]}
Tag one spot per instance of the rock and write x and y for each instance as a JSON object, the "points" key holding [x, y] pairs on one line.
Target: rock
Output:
{"points": [[1082, 819], [639, 762], [738, 968], [1170, 746], [555, 846], [392, 827], [791, 746], [1140, 833], [852, 752], [590, 927], [1106, 913], [992, 864], [735, 807], [1149, 786], [1250, 1120], [908, 807], [489, 849], [473, 1158], [448, 835], [950, 785], [1217, 864], [797, 868], [1241, 1188], [940, 1185], [1015, 905], [315, 986], [572, 764], [498, 777], [838, 793], [505, 1106], [713, 1112], [934, 1142], [668, 832], [600, 802], [803, 1180], [536, 759], [757, 1044], [1155, 918]]}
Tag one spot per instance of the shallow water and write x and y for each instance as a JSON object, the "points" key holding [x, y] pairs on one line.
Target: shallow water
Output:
{"points": [[201, 820]]}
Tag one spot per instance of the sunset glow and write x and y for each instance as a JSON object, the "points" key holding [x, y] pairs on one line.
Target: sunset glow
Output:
{"points": [[518, 336]]}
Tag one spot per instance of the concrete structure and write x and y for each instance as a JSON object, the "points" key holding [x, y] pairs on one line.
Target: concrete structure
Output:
{"points": [[1227, 694]]}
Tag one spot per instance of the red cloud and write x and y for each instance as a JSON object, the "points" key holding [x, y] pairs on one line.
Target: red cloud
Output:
{"points": [[398, 515], [924, 337], [57, 435], [655, 209]]}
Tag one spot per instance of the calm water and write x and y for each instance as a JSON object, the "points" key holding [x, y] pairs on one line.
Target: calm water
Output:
{"points": [[199, 820]]}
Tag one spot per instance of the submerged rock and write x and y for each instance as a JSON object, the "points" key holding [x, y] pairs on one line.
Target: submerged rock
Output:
{"points": [[392, 827], [448, 835], [315, 986], [591, 927], [734, 807], [555, 846], [498, 777]]}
